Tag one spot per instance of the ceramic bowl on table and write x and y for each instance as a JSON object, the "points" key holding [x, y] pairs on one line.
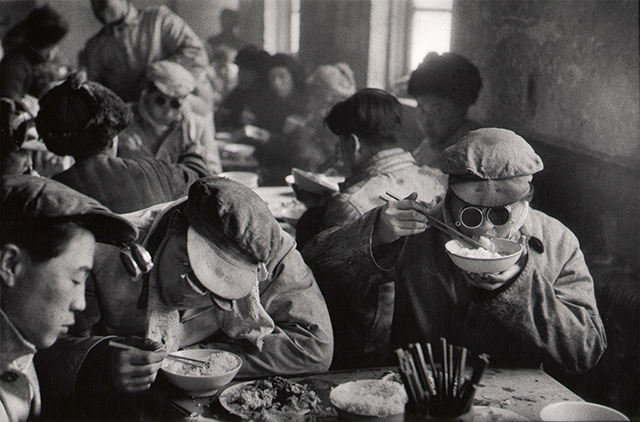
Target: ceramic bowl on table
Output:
{"points": [[481, 261], [370, 399], [315, 183], [199, 381], [580, 411]]}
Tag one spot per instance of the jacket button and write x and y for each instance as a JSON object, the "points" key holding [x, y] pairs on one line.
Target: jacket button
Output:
{"points": [[9, 376]]}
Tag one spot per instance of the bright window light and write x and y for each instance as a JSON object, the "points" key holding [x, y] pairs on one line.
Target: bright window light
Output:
{"points": [[431, 29]]}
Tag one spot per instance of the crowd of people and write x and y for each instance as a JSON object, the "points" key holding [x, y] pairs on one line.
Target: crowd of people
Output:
{"points": [[116, 225]]}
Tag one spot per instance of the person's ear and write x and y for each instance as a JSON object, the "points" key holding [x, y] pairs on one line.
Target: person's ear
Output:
{"points": [[10, 263], [354, 143]]}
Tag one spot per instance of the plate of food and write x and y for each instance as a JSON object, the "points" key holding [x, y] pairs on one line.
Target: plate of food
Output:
{"points": [[273, 398]]}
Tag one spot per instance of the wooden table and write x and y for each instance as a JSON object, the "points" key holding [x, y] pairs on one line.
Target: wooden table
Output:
{"points": [[522, 391]]}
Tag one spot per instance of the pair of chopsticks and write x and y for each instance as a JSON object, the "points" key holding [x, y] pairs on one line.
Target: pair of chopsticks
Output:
{"points": [[189, 361], [442, 226], [439, 391]]}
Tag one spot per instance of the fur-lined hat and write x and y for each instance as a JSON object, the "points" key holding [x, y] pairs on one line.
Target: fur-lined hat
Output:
{"points": [[81, 117]]}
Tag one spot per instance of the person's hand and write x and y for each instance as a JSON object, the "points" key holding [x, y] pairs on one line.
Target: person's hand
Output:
{"points": [[494, 281], [400, 218], [134, 370]]}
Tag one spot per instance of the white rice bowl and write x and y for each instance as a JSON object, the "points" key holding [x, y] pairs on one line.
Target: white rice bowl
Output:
{"points": [[377, 398]]}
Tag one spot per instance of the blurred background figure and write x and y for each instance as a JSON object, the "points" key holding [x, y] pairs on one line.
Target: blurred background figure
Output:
{"points": [[224, 75], [445, 86], [310, 144], [147, 35], [228, 35], [252, 79], [305, 142], [18, 136], [82, 119], [31, 64], [165, 127], [285, 95]]}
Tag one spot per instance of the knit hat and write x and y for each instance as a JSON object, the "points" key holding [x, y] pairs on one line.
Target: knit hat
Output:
{"points": [[171, 78], [490, 167], [80, 117], [338, 79], [30, 199], [227, 216]]}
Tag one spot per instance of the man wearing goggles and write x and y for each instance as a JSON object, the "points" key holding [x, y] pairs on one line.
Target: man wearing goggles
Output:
{"points": [[165, 125], [540, 310]]}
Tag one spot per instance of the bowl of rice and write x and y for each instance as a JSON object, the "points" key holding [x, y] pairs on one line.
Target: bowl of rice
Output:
{"points": [[202, 381], [370, 399], [499, 255]]}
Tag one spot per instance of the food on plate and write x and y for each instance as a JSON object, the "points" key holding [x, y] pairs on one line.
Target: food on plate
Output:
{"points": [[217, 364], [379, 398], [271, 398]]}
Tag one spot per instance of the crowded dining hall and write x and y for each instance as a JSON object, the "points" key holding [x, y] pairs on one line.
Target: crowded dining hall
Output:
{"points": [[319, 210]]}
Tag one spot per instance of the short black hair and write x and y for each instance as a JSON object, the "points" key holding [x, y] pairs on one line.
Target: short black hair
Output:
{"points": [[448, 75], [372, 114], [43, 239], [295, 67]]}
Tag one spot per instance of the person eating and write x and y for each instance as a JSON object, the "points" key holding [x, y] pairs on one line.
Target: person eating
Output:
{"points": [[49, 234], [225, 276], [541, 310]]}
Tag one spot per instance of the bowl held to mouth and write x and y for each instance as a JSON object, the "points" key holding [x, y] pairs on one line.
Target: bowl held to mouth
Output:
{"points": [[480, 261]]}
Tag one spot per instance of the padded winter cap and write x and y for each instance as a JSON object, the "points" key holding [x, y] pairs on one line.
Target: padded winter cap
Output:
{"points": [[230, 238], [29, 199], [171, 78], [490, 167], [80, 117], [334, 79]]}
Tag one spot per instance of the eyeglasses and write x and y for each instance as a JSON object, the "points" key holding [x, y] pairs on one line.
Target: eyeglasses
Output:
{"points": [[473, 217], [173, 102]]}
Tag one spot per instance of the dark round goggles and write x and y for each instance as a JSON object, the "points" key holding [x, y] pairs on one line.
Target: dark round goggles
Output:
{"points": [[173, 103], [473, 217]]}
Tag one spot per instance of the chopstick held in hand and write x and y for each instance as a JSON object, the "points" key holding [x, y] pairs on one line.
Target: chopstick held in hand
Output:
{"points": [[443, 227]]}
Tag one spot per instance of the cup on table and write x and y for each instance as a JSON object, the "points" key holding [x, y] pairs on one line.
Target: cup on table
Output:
{"points": [[580, 411]]}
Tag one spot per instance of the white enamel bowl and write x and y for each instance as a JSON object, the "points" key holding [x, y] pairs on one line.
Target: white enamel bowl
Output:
{"points": [[202, 382], [580, 411], [509, 251]]}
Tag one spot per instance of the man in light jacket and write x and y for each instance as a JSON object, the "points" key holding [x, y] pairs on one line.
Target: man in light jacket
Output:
{"points": [[540, 310]]}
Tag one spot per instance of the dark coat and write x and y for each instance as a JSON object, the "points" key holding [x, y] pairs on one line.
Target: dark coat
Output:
{"points": [[126, 185]]}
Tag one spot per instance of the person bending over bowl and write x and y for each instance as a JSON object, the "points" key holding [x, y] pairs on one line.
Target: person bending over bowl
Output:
{"points": [[49, 235], [540, 310], [225, 276]]}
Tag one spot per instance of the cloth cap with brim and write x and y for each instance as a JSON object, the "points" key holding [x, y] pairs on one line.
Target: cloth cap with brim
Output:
{"points": [[231, 235], [30, 199], [171, 78], [490, 167]]}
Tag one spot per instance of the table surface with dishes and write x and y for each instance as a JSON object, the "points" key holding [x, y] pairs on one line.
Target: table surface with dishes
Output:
{"points": [[503, 395]]}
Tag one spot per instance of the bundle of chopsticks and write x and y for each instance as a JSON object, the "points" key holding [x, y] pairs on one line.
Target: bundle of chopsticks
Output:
{"points": [[439, 390]]}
